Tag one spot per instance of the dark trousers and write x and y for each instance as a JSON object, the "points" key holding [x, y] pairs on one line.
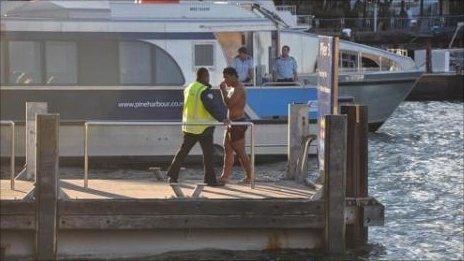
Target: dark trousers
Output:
{"points": [[206, 142]]}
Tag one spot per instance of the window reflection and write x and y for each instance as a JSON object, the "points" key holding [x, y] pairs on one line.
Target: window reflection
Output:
{"points": [[135, 63], [24, 62], [61, 62], [89, 62]]}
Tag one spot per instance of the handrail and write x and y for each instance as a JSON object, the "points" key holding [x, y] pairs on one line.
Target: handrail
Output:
{"points": [[12, 152], [277, 84], [303, 159], [146, 123]]}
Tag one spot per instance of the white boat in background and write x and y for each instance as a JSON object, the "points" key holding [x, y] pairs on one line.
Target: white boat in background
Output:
{"points": [[445, 81], [121, 60]]}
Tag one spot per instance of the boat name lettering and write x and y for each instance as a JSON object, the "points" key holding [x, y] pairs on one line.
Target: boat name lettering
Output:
{"points": [[323, 74], [150, 104], [199, 8], [357, 77], [324, 89], [324, 49]]}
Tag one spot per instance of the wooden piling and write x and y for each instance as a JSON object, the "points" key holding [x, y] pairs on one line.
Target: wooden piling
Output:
{"points": [[298, 128], [46, 185], [356, 169], [32, 109], [335, 183], [428, 55]]}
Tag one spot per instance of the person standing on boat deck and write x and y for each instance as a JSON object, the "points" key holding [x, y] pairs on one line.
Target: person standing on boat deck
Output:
{"points": [[243, 64], [200, 105], [285, 67], [234, 96]]}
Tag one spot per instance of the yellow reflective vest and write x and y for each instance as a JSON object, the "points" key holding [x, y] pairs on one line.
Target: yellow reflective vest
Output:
{"points": [[194, 111]]}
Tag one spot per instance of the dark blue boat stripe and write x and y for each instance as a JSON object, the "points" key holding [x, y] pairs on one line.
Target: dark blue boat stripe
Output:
{"points": [[28, 35]]}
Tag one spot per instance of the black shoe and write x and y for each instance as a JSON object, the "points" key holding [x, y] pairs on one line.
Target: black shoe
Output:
{"points": [[216, 184], [172, 180]]}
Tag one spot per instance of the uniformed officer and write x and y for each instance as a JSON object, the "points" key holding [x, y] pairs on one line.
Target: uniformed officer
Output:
{"points": [[285, 67], [200, 105], [243, 64]]}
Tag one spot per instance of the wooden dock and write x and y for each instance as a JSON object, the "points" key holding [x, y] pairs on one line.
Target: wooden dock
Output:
{"points": [[61, 218], [148, 189]]}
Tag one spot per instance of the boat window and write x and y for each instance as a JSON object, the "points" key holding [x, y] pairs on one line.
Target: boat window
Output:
{"points": [[167, 72], [87, 62], [135, 63], [369, 64], [230, 42], [98, 62], [24, 62], [204, 55], [348, 61], [61, 62]]}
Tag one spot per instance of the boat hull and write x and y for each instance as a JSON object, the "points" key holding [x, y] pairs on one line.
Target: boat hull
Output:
{"points": [[381, 93], [267, 108], [438, 87]]}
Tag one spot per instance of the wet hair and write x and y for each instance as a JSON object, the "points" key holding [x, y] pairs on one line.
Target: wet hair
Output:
{"points": [[230, 71], [243, 50], [200, 72], [286, 47]]}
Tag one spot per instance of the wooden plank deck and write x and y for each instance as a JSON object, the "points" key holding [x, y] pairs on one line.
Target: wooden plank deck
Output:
{"points": [[21, 189], [146, 189], [124, 204]]}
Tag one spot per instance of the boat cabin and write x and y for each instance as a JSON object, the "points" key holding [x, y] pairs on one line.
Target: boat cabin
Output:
{"points": [[105, 43]]}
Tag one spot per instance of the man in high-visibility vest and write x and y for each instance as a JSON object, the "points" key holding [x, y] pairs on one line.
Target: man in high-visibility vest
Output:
{"points": [[200, 106]]}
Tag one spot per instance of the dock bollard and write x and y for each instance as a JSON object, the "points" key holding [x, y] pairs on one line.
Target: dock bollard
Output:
{"points": [[12, 151], [335, 183], [356, 169], [32, 109], [46, 186], [298, 128]]}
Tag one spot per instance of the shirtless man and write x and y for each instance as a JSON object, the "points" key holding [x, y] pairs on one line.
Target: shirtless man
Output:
{"points": [[234, 96]]}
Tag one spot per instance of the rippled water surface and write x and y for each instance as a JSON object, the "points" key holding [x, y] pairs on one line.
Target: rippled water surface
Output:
{"points": [[416, 171]]}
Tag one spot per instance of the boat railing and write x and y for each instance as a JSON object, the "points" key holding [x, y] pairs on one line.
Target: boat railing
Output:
{"points": [[304, 21], [280, 84], [432, 24], [88, 124], [12, 151]]}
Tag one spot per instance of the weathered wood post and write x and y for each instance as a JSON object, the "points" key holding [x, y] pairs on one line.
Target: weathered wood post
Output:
{"points": [[32, 109], [298, 128], [46, 185], [356, 169], [335, 183], [428, 55]]}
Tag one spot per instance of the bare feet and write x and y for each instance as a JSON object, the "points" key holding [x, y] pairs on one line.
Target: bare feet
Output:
{"points": [[245, 181], [224, 180]]}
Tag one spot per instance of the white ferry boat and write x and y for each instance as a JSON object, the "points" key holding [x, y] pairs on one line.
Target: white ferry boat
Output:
{"points": [[130, 61]]}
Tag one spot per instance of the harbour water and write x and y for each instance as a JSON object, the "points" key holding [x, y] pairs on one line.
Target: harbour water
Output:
{"points": [[416, 170]]}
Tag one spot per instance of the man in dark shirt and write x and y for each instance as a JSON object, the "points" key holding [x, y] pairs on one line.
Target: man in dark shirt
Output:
{"points": [[200, 106]]}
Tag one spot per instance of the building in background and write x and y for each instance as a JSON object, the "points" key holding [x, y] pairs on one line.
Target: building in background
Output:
{"points": [[384, 23]]}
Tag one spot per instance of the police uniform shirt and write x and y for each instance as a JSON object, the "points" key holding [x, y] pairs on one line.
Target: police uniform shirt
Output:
{"points": [[285, 67], [213, 105], [242, 67]]}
